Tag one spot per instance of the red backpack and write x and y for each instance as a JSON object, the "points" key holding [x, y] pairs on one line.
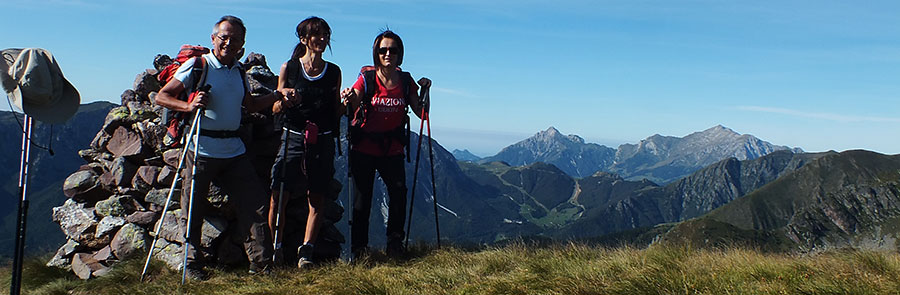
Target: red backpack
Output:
{"points": [[176, 121]]}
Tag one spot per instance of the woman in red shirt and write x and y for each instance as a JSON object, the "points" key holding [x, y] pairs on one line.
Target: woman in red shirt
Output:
{"points": [[378, 139]]}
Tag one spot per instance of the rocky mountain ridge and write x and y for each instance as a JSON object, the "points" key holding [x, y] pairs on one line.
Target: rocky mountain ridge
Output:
{"points": [[661, 159], [847, 199]]}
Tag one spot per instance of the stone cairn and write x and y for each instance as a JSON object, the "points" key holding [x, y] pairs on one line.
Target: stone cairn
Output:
{"points": [[116, 199]]}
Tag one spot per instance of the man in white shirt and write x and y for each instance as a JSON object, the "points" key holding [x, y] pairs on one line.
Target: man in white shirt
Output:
{"points": [[221, 152]]}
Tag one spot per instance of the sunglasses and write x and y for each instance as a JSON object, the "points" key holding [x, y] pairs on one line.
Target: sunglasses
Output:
{"points": [[385, 50]]}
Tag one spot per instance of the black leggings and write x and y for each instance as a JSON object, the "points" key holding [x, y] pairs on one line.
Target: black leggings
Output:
{"points": [[392, 171]]}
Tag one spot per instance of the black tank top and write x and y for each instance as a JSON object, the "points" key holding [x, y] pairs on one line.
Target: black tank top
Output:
{"points": [[319, 98]]}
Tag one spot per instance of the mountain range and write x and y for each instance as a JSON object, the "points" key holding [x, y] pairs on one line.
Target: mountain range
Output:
{"points": [[661, 159]]}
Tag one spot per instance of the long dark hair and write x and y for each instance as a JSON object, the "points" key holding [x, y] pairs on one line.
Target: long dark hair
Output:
{"points": [[390, 35], [312, 25]]}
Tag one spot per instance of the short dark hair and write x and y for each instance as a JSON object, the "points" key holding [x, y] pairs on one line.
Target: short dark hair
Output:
{"points": [[312, 25], [387, 33], [233, 20]]}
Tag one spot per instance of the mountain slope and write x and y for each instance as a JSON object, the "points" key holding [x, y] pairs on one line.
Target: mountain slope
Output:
{"points": [[846, 199], [697, 194]]}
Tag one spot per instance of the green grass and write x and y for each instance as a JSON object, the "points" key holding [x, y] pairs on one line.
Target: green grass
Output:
{"points": [[521, 269]]}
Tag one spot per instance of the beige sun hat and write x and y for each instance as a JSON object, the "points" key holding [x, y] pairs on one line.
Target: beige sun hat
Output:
{"points": [[32, 79]]}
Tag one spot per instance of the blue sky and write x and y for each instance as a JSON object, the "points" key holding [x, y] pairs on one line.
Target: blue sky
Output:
{"points": [[819, 75]]}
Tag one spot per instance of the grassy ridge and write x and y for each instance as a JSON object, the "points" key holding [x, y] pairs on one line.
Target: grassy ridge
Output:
{"points": [[520, 269]]}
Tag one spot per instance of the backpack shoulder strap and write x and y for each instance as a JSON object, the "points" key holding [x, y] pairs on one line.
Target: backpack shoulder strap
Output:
{"points": [[198, 73], [369, 85], [407, 80]]}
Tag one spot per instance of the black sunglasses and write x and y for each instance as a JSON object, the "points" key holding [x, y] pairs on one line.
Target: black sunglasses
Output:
{"points": [[384, 50]]}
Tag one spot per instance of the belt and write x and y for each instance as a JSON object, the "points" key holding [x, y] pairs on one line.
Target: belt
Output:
{"points": [[301, 133], [219, 133]]}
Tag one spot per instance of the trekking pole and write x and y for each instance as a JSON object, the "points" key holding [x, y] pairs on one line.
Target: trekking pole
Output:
{"points": [[284, 150], [184, 152], [187, 230], [350, 191], [412, 196], [437, 228], [16, 280]]}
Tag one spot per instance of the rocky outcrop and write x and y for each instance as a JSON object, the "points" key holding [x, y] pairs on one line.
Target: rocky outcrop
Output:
{"points": [[116, 200]]}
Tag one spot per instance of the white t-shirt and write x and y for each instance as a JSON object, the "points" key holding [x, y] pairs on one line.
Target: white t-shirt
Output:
{"points": [[223, 111]]}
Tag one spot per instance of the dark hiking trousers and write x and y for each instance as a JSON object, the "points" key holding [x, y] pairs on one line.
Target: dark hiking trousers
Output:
{"points": [[237, 178], [391, 169]]}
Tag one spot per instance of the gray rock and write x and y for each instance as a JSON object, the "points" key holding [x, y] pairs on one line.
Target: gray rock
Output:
{"points": [[158, 197], [142, 218], [84, 186], [96, 167], [170, 253], [166, 176], [89, 155], [119, 206], [255, 59], [63, 257], [109, 225], [104, 255], [128, 96], [84, 265], [75, 220], [152, 133], [120, 173], [172, 228], [118, 116], [144, 83], [146, 175], [212, 229], [130, 239], [125, 143], [142, 112]]}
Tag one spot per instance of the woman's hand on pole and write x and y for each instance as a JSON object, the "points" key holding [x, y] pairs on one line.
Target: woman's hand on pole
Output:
{"points": [[425, 83], [347, 95]]}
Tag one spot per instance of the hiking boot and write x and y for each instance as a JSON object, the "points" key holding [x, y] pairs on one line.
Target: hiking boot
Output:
{"points": [[304, 263], [196, 273], [305, 252], [260, 268]]}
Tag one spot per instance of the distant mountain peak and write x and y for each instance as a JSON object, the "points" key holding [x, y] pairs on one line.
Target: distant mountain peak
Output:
{"points": [[464, 155], [719, 129], [552, 134]]}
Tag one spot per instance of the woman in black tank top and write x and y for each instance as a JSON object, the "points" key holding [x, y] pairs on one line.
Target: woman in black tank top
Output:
{"points": [[305, 160]]}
